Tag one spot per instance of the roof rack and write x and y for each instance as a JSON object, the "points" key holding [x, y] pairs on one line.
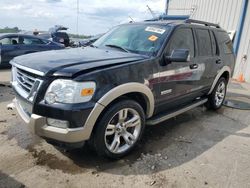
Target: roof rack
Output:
{"points": [[201, 22], [169, 17]]}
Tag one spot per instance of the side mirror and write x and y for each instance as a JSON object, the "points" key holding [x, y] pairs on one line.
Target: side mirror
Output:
{"points": [[178, 55]]}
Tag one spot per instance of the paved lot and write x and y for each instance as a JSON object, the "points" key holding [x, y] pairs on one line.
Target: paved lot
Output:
{"points": [[197, 149], [5, 76]]}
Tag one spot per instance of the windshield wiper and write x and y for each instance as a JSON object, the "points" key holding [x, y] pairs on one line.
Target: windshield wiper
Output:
{"points": [[116, 46]]}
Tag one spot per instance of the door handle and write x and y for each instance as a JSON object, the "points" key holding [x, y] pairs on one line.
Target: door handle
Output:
{"points": [[193, 66], [218, 61]]}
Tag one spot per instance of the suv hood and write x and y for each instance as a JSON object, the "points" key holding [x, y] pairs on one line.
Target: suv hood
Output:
{"points": [[68, 62]]}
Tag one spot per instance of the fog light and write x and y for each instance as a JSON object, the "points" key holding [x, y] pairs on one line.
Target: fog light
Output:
{"points": [[57, 123]]}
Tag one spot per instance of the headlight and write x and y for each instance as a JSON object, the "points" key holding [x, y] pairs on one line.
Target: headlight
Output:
{"points": [[68, 91]]}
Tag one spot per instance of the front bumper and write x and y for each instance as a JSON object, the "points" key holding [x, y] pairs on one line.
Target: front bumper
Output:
{"points": [[39, 126]]}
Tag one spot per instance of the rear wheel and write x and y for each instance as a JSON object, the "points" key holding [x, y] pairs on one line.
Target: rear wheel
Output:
{"points": [[217, 97], [119, 129]]}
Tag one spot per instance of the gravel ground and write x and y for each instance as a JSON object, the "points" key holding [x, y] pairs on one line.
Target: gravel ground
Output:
{"points": [[199, 148]]}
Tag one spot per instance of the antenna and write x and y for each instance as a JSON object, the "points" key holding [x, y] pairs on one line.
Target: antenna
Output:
{"points": [[131, 19], [152, 13]]}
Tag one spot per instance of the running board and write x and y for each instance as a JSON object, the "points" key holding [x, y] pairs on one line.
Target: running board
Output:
{"points": [[164, 117]]}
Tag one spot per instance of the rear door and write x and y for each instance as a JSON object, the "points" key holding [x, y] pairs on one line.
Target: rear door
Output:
{"points": [[207, 55], [32, 44]]}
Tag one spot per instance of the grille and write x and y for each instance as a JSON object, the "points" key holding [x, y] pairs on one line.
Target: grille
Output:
{"points": [[25, 79], [25, 83]]}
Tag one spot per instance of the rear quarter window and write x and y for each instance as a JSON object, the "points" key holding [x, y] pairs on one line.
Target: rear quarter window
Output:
{"points": [[225, 42], [228, 47]]}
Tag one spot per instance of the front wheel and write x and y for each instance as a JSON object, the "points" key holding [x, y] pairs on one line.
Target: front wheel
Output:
{"points": [[217, 97], [119, 129]]}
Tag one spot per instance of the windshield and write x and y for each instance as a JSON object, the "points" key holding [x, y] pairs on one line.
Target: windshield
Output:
{"points": [[142, 39]]}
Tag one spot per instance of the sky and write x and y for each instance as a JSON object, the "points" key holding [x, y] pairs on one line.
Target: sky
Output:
{"points": [[95, 16]]}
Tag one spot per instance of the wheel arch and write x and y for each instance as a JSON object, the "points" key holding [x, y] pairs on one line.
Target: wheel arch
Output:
{"points": [[132, 91], [223, 72]]}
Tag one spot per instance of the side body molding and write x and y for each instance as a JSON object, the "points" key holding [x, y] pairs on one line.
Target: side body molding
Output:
{"points": [[219, 73], [114, 94]]}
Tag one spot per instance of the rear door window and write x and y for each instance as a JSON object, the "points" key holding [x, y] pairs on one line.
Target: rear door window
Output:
{"points": [[30, 41], [204, 42], [182, 39]]}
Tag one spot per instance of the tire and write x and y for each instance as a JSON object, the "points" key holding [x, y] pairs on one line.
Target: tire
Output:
{"points": [[217, 97], [119, 129]]}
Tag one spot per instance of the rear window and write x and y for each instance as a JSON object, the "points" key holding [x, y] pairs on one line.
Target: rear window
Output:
{"points": [[61, 35], [204, 42]]}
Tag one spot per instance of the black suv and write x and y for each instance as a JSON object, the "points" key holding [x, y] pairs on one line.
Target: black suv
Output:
{"points": [[137, 74]]}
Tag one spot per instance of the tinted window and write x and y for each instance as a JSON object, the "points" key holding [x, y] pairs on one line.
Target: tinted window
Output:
{"points": [[29, 40], [182, 39], [222, 36], [9, 40], [204, 42], [225, 42], [214, 44], [228, 47]]}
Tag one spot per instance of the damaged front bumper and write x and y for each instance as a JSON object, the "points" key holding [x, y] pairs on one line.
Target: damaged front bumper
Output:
{"points": [[39, 126]]}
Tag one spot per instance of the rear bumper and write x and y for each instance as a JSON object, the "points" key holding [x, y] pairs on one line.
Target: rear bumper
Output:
{"points": [[39, 126]]}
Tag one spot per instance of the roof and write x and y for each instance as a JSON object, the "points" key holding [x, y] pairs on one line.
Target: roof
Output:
{"points": [[19, 34]]}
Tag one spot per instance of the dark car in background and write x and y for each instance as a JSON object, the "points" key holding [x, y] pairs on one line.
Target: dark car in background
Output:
{"points": [[59, 37], [57, 34], [12, 45], [89, 41]]}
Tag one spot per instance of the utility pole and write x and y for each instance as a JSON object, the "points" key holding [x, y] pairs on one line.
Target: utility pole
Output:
{"points": [[166, 7], [131, 18], [77, 18]]}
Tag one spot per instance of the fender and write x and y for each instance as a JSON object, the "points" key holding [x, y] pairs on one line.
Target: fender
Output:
{"points": [[114, 94], [219, 73], [129, 88]]}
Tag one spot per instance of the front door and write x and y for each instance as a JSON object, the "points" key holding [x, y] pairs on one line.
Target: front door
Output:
{"points": [[179, 82]]}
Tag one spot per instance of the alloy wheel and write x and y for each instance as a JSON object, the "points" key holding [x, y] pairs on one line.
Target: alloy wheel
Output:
{"points": [[123, 130], [220, 93]]}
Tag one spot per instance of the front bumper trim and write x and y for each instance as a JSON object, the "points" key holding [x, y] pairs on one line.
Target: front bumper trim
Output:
{"points": [[65, 135], [39, 126]]}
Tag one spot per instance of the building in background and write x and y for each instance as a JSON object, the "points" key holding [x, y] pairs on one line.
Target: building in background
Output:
{"points": [[232, 15]]}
